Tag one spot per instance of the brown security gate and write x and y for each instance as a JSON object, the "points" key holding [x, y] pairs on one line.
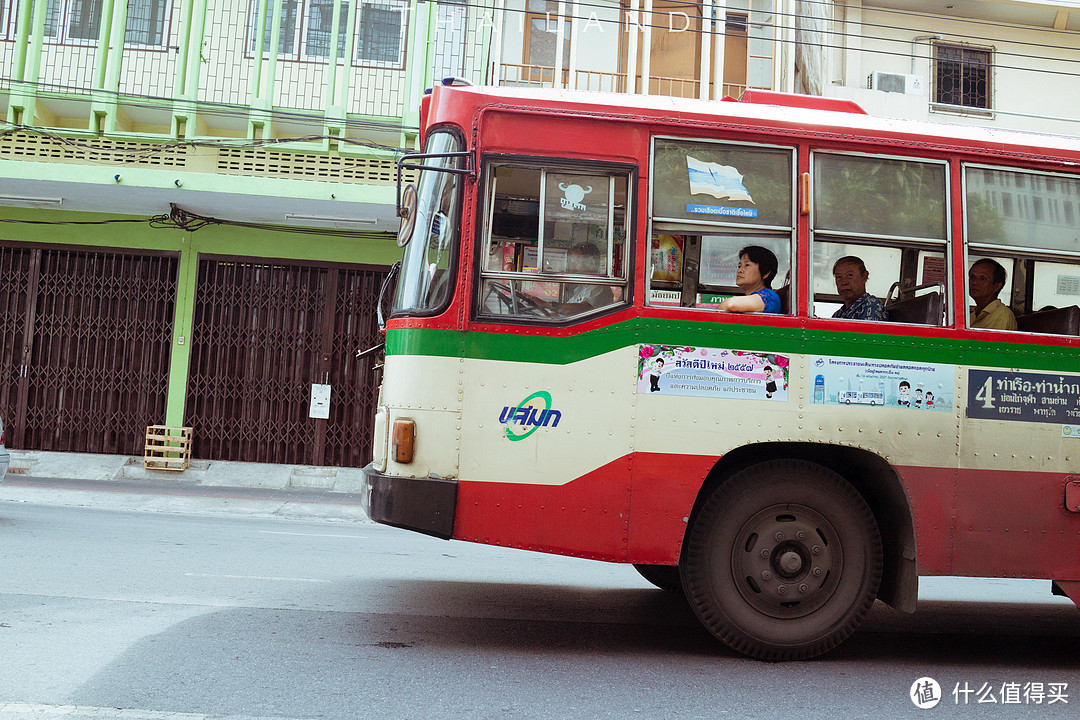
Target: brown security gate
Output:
{"points": [[84, 346], [264, 333]]}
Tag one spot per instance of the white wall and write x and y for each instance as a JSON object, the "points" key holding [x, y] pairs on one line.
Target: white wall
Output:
{"points": [[1021, 81]]}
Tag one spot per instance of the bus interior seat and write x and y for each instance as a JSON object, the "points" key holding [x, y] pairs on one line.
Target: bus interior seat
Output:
{"points": [[922, 310], [1060, 321], [785, 299]]}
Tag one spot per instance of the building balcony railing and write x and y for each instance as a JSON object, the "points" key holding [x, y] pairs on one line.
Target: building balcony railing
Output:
{"points": [[67, 71], [166, 79], [519, 75]]}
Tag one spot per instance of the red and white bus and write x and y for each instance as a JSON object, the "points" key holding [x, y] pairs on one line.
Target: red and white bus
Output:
{"points": [[562, 376]]}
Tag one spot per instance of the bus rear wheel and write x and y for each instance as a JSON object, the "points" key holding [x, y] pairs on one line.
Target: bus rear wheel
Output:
{"points": [[783, 561]]}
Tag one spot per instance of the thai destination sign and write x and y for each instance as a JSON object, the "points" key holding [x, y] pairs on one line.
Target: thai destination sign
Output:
{"points": [[1028, 397], [881, 383], [709, 372]]}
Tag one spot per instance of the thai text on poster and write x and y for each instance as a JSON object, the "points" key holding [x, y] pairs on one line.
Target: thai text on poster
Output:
{"points": [[711, 372], [881, 383], [1027, 397]]}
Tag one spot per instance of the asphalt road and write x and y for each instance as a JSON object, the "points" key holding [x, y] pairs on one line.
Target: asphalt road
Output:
{"points": [[210, 608]]}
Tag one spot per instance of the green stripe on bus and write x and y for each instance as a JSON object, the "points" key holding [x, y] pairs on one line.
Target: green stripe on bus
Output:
{"points": [[791, 341]]}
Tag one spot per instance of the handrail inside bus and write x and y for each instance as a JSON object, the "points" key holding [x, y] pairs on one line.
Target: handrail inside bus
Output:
{"points": [[902, 290]]}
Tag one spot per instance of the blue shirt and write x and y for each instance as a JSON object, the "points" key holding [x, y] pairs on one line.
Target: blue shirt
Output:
{"points": [[771, 300], [867, 307]]}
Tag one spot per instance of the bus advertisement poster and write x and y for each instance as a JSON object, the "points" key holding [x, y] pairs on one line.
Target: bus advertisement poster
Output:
{"points": [[711, 372], [1026, 397], [882, 383]]}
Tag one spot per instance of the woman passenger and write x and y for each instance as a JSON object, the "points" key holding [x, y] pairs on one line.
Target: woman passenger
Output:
{"points": [[757, 268]]}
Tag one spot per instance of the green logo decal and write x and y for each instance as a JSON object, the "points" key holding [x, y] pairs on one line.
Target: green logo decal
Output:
{"points": [[529, 415]]}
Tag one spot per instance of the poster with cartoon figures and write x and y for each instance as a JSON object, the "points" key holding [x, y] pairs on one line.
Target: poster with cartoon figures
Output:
{"points": [[709, 372], [881, 383]]}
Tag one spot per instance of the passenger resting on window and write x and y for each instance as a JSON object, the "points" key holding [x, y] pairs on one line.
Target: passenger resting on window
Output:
{"points": [[757, 268], [851, 275], [985, 280], [585, 259]]}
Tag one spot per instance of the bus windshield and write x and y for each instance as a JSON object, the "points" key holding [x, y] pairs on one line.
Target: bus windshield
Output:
{"points": [[427, 264]]}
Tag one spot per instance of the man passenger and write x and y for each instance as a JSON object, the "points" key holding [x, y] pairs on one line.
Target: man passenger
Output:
{"points": [[986, 278], [851, 275]]}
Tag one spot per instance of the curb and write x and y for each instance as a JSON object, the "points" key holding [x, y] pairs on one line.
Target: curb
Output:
{"points": [[209, 473]]}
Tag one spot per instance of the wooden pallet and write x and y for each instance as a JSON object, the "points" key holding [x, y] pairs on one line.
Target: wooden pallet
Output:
{"points": [[167, 448]]}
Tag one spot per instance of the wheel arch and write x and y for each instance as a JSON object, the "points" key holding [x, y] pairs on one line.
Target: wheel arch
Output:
{"points": [[873, 477]]}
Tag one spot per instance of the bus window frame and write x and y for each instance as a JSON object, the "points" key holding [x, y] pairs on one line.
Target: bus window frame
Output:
{"points": [[485, 209], [461, 176], [659, 224], [904, 243], [1018, 255]]}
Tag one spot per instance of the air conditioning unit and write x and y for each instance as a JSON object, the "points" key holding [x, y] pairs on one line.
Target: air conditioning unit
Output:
{"points": [[896, 82]]}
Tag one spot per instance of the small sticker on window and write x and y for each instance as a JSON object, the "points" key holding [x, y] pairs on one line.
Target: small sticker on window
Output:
{"points": [[1068, 285], [720, 210]]}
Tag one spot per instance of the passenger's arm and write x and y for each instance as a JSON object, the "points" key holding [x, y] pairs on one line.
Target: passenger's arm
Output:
{"points": [[743, 304]]}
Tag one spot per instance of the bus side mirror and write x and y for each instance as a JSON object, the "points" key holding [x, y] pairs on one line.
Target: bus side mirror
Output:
{"points": [[406, 210]]}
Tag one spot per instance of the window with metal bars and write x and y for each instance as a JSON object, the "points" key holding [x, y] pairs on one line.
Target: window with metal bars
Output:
{"points": [[146, 22], [320, 27], [290, 13], [450, 38], [962, 76], [307, 26], [79, 21], [382, 34]]}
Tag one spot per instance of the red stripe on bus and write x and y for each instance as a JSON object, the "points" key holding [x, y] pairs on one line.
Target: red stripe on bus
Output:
{"points": [[590, 516], [979, 523]]}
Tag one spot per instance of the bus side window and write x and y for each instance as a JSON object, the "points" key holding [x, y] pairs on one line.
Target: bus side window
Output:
{"points": [[702, 271], [1055, 293], [1035, 214], [889, 216], [711, 199], [556, 243]]}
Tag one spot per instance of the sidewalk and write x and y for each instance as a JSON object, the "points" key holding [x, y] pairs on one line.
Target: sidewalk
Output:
{"points": [[209, 473], [121, 482]]}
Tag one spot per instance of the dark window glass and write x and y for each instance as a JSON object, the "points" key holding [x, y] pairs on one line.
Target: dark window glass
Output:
{"points": [[287, 40], [1023, 221], [321, 23], [84, 19], [962, 76], [879, 196], [716, 182], [146, 22], [380, 34]]}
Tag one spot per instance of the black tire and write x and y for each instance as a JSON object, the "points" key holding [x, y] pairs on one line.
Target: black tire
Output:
{"points": [[665, 577], [783, 561]]}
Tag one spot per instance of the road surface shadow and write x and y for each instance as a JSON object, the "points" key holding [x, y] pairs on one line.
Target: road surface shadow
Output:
{"points": [[630, 620], [651, 655]]}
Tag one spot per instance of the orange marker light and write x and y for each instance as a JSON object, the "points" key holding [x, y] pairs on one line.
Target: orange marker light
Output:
{"points": [[404, 439]]}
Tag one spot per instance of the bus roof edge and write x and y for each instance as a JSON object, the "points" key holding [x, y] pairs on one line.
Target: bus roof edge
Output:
{"points": [[809, 102]]}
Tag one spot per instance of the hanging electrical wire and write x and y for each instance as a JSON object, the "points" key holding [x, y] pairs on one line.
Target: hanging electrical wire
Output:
{"points": [[829, 35], [777, 20], [115, 221], [189, 221], [150, 149]]}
